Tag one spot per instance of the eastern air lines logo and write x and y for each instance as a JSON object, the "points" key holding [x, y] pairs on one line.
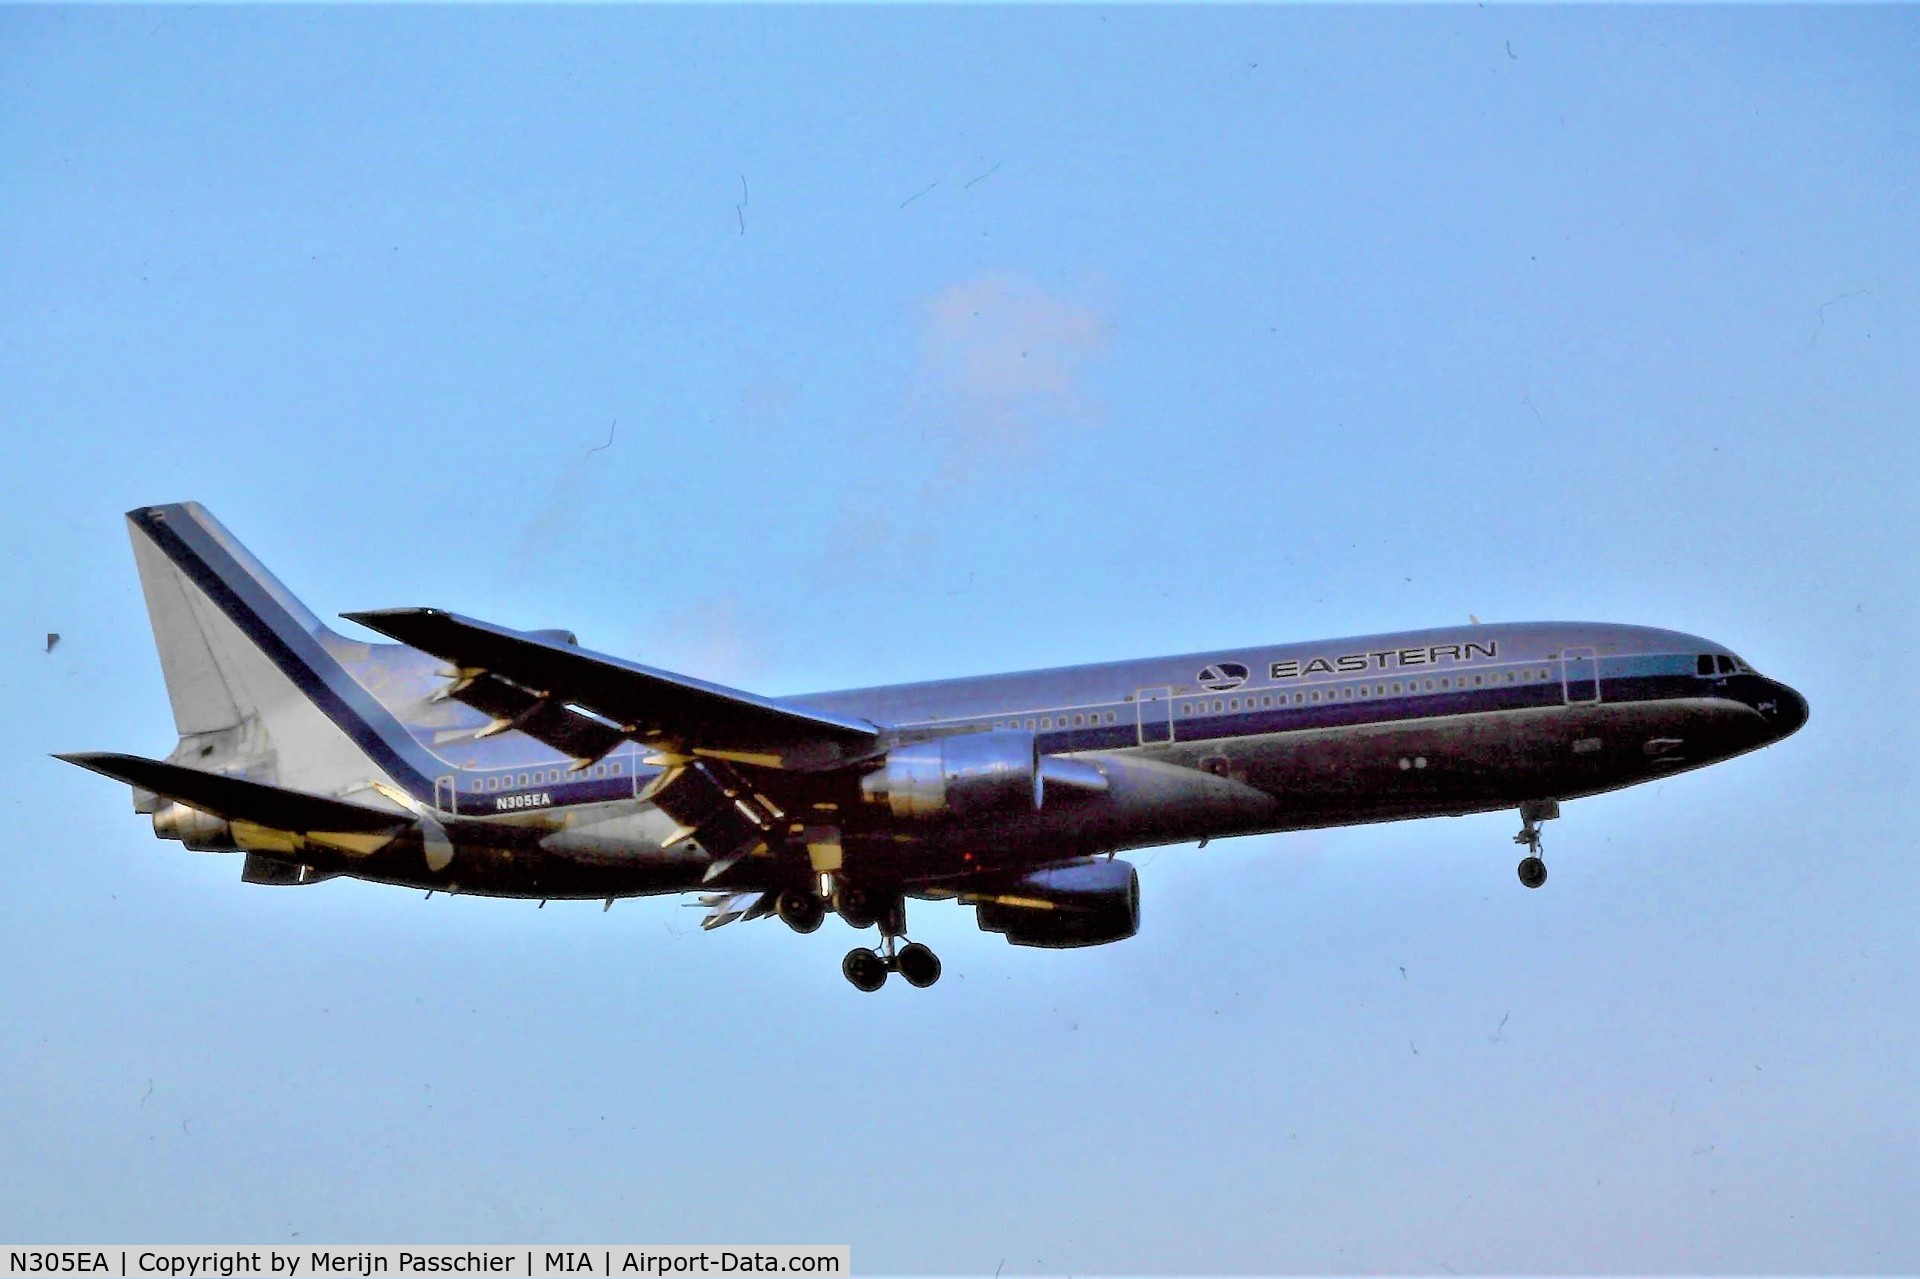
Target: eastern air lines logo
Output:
{"points": [[1221, 676]]}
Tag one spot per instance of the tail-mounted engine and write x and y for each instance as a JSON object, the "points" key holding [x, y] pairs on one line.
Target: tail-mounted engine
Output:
{"points": [[971, 775], [200, 832]]}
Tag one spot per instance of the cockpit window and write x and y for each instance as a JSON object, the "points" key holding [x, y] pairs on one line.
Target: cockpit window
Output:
{"points": [[1716, 664]]}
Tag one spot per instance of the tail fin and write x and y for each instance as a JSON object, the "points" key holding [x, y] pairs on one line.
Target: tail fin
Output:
{"points": [[255, 677]]}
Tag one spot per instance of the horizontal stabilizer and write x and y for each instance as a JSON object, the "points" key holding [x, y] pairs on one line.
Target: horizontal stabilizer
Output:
{"points": [[652, 706], [237, 799]]}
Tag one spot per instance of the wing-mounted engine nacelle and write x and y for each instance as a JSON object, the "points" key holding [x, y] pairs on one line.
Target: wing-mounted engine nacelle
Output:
{"points": [[1085, 903], [970, 775]]}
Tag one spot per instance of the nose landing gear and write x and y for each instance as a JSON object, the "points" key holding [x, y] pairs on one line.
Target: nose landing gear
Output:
{"points": [[1533, 871]]}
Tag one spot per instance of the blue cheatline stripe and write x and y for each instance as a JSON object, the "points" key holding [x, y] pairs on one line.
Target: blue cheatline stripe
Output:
{"points": [[292, 648], [1655, 680]]}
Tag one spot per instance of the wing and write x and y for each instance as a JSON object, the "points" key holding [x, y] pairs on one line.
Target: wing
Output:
{"points": [[584, 703], [237, 799]]}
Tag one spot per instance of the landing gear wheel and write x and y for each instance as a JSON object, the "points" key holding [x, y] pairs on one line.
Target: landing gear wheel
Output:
{"points": [[856, 906], [918, 964], [1533, 872], [801, 911], [866, 970]]}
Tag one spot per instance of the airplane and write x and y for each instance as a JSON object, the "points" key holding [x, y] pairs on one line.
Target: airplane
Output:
{"points": [[468, 757]]}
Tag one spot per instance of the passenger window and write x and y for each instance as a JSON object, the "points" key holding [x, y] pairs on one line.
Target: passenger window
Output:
{"points": [[1316, 695], [1347, 692], [1444, 683], [1396, 688]]}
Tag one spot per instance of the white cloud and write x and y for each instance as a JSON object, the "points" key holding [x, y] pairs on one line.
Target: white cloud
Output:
{"points": [[1004, 367]]}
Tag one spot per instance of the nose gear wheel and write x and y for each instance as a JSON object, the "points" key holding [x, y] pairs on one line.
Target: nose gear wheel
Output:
{"points": [[1533, 870]]}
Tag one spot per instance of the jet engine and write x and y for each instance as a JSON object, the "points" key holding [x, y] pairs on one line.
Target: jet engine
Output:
{"points": [[971, 775], [1086, 903], [200, 832]]}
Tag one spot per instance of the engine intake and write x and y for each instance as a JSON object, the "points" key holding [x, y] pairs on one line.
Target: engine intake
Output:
{"points": [[1087, 903], [971, 775]]}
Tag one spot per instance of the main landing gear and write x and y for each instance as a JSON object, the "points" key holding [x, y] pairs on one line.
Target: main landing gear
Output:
{"points": [[867, 968], [1533, 871], [801, 910]]}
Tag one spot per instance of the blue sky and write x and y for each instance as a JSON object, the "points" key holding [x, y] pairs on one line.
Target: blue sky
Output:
{"points": [[941, 341]]}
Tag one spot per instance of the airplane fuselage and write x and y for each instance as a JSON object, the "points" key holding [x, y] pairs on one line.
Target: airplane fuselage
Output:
{"points": [[1236, 742]]}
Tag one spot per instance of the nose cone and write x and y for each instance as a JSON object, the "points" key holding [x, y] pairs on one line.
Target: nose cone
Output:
{"points": [[1790, 709]]}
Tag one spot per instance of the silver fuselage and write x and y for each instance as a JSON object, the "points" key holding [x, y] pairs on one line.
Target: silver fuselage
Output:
{"points": [[1332, 733]]}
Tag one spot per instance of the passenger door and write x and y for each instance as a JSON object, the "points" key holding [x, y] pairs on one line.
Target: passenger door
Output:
{"points": [[1156, 715], [1580, 675]]}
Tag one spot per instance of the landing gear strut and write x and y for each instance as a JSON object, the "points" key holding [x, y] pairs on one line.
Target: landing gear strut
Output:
{"points": [[1533, 871], [867, 968]]}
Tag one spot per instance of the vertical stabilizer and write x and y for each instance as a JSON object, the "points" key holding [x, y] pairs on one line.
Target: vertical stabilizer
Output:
{"points": [[252, 673]]}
